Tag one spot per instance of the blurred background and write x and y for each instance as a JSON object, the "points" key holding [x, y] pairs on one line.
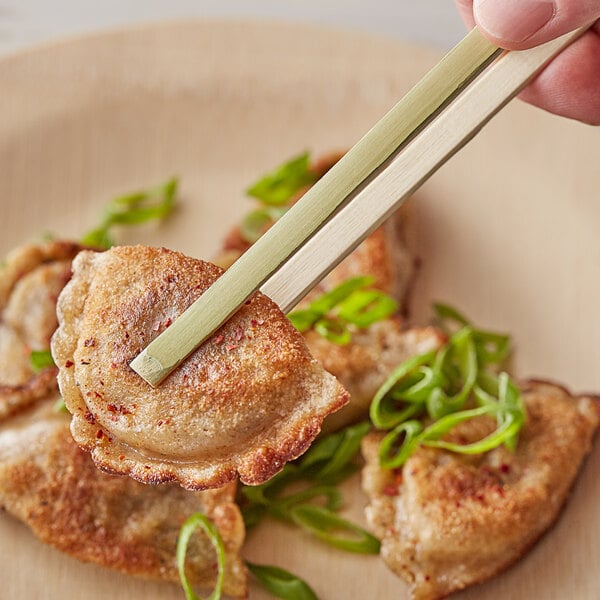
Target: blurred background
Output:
{"points": [[27, 22]]}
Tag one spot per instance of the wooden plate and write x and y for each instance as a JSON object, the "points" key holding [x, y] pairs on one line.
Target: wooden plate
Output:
{"points": [[508, 231]]}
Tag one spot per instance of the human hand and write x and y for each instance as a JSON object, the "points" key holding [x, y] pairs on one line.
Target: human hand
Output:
{"points": [[570, 84]]}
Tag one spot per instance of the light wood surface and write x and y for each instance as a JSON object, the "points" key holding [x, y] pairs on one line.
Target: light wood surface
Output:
{"points": [[507, 231]]}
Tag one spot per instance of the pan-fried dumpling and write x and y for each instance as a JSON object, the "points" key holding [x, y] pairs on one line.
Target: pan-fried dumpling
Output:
{"points": [[50, 484], [247, 401], [367, 361], [31, 278], [447, 521]]}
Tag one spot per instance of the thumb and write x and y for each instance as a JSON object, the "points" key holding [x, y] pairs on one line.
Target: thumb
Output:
{"points": [[518, 24]]}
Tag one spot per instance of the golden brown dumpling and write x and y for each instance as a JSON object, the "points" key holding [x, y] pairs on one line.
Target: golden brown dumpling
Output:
{"points": [[31, 278], [367, 361], [47, 482], [447, 521], [248, 400]]}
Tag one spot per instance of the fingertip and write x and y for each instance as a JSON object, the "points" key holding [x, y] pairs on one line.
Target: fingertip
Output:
{"points": [[570, 86], [512, 23], [521, 24], [465, 10]]}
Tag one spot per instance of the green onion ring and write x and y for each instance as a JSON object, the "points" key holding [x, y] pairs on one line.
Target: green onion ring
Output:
{"points": [[187, 529]]}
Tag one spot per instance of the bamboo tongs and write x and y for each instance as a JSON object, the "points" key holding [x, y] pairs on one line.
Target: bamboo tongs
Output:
{"points": [[437, 117]]}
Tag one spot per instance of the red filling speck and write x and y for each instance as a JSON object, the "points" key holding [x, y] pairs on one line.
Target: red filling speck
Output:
{"points": [[390, 490]]}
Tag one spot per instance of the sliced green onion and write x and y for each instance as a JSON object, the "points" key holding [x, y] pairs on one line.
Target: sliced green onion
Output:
{"points": [[399, 444], [493, 348], [263, 494], [325, 464], [329, 300], [303, 320], [98, 238], [346, 449], [442, 426], [384, 410], [144, 206], [280, 186], [281, 507], [443, 381], [335, 530], [333, 330], [445, 312], [506, 431], [365, 307], [320, 452], [60, 406], [196, 521], [348, 304], [255, 223], [281, 583], [253, 514], [133, 209], [40, 360], [459, 364]]}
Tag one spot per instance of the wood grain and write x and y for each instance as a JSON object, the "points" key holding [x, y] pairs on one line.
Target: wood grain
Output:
{"points": [[507, 231]]}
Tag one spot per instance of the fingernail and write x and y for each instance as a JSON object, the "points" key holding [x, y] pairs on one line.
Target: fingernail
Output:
{"points": [[513, 20]]}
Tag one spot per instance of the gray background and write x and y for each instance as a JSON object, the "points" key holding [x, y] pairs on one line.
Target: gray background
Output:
{"points": [[27, 22]]}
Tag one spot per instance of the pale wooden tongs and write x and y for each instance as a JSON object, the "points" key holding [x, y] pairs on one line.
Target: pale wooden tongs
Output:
{"points": [[434, 120]]}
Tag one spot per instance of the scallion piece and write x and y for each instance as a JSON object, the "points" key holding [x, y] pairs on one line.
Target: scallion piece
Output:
{"points": [[196, 521], [399, 444], [281, 507], [333, 330], [492, 347], [60, 406], [280, 186], [133, 209], [440, 383], [445, 312], [365, 307], [335, 530], [394, 402], [315, 475], [353, 303], [281, 583], [329, 300], [331, 456], [255, 223], [458, 365], [40, 360]]}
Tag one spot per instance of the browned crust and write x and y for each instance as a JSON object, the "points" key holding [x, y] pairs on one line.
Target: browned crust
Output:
{"points": [[213, 425], [26, 258], [19, 263], [491, 506], [14, 398], [53, 487]]}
